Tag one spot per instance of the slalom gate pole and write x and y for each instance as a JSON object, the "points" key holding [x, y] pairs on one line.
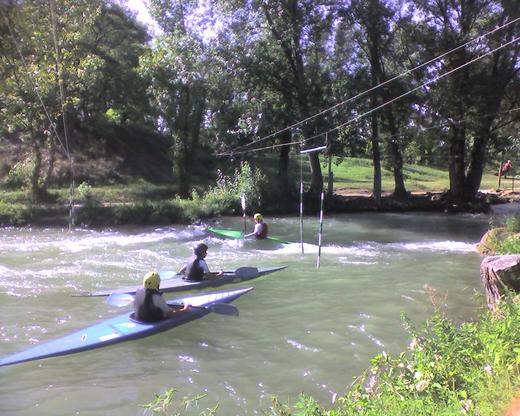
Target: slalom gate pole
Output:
{"points": [[302, 152], [321, 230], [243, 202], [301, 201]]}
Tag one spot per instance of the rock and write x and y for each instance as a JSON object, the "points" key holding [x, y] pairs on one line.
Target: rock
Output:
{"points": [[499, 274], [486, 246]]}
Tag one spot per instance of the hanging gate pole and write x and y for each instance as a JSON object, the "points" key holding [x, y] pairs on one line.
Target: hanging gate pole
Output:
{"points": [[301, 201], [320, 232], [243, 202], [314, 149]]}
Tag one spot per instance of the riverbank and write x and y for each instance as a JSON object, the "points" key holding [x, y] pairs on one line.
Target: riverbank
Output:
{"points": [[168, 210]]}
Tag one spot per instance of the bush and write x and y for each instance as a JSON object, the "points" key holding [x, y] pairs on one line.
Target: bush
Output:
{"points": [[14, 214], [19, 176]]}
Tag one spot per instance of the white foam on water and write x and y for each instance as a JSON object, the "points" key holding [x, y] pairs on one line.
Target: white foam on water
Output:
{"points": [[85, 240], [300, 346], [449, 246]]}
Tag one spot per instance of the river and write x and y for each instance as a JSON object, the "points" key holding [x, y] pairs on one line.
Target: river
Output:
{"points": [[303, 329]]}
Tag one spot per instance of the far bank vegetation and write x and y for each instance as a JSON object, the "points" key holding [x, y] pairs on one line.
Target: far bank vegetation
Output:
{"points": [[90, 100]]}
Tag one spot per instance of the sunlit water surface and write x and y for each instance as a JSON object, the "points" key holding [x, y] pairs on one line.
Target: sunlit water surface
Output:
{"points": [[301, 330]]}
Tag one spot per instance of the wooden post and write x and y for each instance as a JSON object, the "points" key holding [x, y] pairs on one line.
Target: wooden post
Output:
{"points": [[320, 232], [500, 171]]}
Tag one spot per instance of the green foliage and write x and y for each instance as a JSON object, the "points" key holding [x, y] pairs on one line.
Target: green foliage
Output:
{"points": [[19, 176], [14, 214], [512, 224], [113, 116], [246, 181], [507, 241], [163, 404], [508, 245]]}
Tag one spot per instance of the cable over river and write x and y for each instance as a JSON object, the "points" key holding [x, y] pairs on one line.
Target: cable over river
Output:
{"points": [[303, 329]]}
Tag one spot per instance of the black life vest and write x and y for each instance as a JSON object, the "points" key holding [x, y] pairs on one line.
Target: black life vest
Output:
{"points": [[194, 270], [263, 232], [144, 308]]}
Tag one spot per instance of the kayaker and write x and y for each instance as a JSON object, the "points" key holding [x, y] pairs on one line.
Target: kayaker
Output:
{"points": [[149, 305], [196, 269], [260, 231]]}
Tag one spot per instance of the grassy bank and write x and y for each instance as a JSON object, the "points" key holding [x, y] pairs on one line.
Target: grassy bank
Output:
{"points": [[143, 202]]}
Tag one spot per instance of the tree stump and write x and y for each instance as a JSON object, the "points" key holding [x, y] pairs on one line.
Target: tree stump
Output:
{"points": [[499, 274]]}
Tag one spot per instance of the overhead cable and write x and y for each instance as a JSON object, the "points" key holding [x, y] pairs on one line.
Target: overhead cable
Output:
{"points": [[361, 94]]}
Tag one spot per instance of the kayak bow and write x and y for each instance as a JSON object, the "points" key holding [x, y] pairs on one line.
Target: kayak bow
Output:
{"points": [[123, 328]]}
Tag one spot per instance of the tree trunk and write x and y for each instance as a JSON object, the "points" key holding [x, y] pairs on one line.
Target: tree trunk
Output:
{"points": [[316, 175], [50, 163], [456, 168], [283, 161], [376, 160], [396, 157], [477, 163], [35, 173]]}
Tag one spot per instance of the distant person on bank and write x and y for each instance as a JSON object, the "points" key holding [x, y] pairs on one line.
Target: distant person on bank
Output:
{"points": [[196, 269], [149, 305], [260, 230], [506, 167]]}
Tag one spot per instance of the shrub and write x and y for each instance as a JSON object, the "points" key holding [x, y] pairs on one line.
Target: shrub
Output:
{"points": [[14, 214], [19, 176]]}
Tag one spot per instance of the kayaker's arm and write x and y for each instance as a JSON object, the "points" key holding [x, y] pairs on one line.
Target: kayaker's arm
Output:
{"points": [[174, 309], [213, 275]]}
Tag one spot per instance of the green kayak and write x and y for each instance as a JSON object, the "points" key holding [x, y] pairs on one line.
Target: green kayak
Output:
{"points": [[237, 234]]}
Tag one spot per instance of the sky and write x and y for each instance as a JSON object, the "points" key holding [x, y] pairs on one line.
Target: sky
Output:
{"points": [[140, 7]]}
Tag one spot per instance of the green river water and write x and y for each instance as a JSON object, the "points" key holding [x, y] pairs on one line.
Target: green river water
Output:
{"points": [[303, 329]]}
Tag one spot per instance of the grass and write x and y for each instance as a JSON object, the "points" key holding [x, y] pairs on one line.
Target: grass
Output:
{"points": [[356, 174]]}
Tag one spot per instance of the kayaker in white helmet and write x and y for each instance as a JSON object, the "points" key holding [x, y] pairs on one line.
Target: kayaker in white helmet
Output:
{"points": [[260, 230], [149, 305], [196, 269]]}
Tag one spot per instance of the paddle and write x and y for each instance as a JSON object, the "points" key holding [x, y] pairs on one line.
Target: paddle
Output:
{"points": [[242, 273], [243, 201], [123, 299]]}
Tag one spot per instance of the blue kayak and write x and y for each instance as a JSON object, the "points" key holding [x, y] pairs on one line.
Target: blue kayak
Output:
{"points": [[171, 282], [123, 328]]}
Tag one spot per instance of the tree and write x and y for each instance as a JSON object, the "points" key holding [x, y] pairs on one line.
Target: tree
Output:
{"points": [[177, 69], [471, 98], [372, 22], [63, 60], [35, 74], [286, 55]]}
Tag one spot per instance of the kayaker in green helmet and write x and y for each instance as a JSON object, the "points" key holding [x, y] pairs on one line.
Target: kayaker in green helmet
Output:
{"points": [[149, 305], [260, 230], [196, 269]]}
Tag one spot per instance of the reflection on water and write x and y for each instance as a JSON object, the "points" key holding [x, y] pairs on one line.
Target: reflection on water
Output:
{"points": [[302, 329]]}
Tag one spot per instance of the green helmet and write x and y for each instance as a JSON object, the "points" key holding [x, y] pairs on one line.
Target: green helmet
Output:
{"points": [[152, 281]]}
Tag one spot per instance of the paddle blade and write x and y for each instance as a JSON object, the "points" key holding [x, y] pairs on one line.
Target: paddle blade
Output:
{"points": [[247, 272], [243, 202], [120, 299], [224, 309]]}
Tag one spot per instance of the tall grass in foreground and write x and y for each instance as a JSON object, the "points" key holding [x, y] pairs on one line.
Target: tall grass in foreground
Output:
{"points": [[509, 241], [449, 369]]}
